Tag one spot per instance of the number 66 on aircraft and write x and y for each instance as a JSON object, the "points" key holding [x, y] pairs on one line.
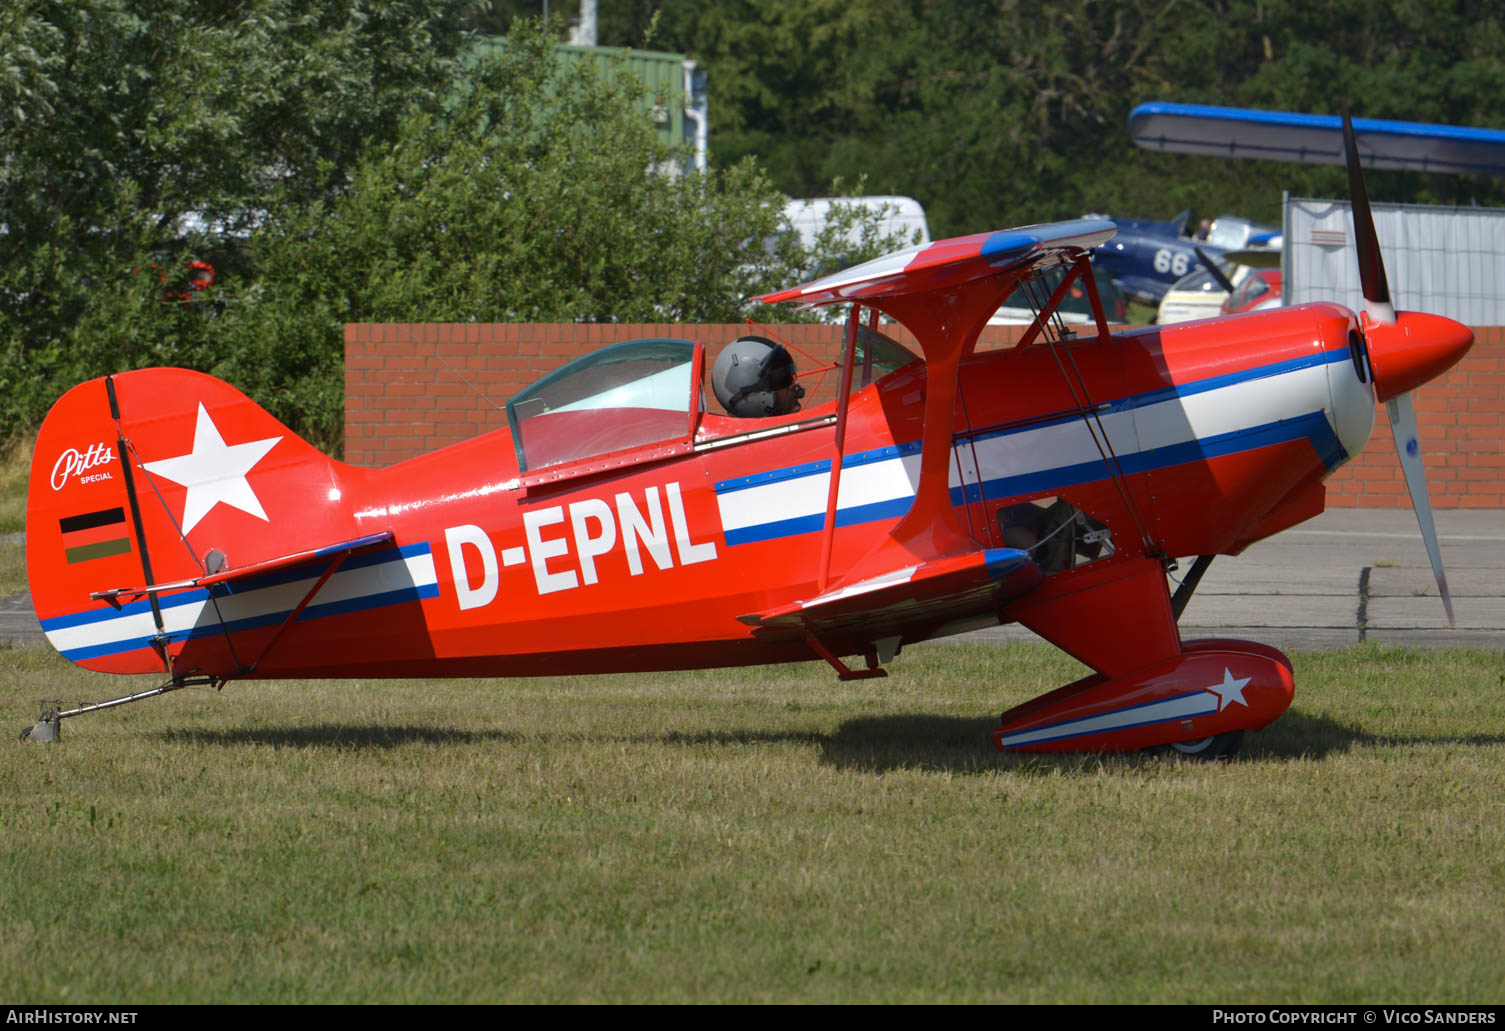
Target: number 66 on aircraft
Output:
{"points": [[621, 522]]}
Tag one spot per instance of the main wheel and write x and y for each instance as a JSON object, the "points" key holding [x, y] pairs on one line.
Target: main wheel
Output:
{"points": [[1208, 749]]}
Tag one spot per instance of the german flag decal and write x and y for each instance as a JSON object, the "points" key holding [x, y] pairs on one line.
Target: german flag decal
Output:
{"points": [[94, 535]]}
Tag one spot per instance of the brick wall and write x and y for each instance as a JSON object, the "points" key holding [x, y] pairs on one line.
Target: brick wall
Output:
{"points": [[1461, 417], [404, 396]]}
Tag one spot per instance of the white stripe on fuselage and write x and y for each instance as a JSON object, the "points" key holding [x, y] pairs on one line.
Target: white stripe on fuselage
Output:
{"points": [[1131, 429], [413, 571]]}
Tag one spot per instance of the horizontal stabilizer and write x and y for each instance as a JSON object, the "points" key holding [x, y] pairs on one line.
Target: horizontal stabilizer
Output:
{"points": [[942, 589], [119, 595], [948, 263]]}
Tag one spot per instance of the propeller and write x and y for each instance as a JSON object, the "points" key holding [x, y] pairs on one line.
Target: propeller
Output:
{"points": [[1396, 370], [1215, 271]]}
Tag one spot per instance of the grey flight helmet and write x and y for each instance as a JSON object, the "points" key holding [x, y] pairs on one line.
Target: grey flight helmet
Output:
{"points": [[754, 376]]}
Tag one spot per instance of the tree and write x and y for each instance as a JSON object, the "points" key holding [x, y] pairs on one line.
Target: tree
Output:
{"points": [[135, 136], [1002, 112], [532, 198]]}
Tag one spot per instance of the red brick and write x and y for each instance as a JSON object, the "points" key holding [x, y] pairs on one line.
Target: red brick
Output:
{"points": [[408, 361], [1462, 416]]}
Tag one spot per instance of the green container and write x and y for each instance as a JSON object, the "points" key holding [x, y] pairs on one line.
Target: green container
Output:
{"points": [[662, 75]]}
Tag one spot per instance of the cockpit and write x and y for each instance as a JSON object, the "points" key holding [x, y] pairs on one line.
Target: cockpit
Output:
{"points": [[652, 391], [638, 392]]}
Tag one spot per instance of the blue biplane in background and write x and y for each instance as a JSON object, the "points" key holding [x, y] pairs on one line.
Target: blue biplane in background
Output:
{"points": [[1145, 259]]}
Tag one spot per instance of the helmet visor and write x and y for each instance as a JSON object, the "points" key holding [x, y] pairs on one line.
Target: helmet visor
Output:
{"points": [[778, 370]]}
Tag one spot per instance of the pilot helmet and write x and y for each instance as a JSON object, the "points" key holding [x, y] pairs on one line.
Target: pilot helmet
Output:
{"points": [[754, 376]]}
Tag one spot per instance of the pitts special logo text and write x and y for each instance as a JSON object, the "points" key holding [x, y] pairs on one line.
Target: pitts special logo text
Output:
{"points": [[71, 463]]}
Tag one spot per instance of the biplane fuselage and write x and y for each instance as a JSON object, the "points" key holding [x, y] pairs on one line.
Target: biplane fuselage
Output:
{"points": [[644, 558], [175, 527]]}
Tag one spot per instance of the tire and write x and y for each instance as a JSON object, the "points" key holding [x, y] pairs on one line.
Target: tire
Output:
{"points": [[1218, 748]]}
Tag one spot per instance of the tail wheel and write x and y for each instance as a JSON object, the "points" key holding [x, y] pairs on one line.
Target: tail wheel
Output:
{"points": [[1218, 747]]}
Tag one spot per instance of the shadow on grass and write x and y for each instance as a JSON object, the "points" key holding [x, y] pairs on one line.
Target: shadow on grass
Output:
{"points": [[333, 735], [964, 745], [875, 744], [1297, 735]]}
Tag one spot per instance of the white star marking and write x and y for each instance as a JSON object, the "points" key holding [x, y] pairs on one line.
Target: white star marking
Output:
{"points": [[1229, 690], [214, 471]]}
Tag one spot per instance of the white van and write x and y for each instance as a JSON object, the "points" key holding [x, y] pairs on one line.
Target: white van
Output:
{"points": [[900, 215]]}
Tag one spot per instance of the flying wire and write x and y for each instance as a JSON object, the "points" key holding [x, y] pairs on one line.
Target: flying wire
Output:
{"points": [[461, 377]]}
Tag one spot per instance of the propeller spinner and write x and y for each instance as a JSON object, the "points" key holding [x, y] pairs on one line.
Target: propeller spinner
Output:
{"points": [[1403, 350]]}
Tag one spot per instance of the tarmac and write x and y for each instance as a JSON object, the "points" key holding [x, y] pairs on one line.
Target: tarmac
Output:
{"points": [[1345, 577], [1351, 576]]}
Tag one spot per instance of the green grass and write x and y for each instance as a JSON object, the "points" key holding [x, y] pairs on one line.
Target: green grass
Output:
{"points": [[766, 835], [12, 567], [15, 473]]}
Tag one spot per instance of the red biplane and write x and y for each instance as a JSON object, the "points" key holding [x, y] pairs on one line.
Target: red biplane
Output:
{"points": [[620, 523]]}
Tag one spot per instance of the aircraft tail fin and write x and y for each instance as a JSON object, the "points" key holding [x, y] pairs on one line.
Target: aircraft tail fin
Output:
{"points": [[156, 477]]}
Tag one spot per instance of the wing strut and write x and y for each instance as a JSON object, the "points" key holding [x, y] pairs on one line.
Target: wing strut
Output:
{"points": [[225, 582], [1051, 306], [843, 671], [843, 402], [1083, 400]]}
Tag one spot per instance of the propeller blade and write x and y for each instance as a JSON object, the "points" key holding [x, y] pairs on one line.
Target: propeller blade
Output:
{"points": [[1371, 266], [1216, 271], [1408, 446]]}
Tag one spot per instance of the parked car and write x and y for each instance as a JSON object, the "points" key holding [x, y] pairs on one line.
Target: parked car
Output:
{"points": [[1258, 291], [1199, 295]]}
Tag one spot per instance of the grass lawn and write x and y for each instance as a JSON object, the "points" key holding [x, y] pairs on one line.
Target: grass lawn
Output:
{"points": [[15, 472], [749, 835]]}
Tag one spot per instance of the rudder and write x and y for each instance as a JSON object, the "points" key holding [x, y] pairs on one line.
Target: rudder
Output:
{"points": [[159, 475]]}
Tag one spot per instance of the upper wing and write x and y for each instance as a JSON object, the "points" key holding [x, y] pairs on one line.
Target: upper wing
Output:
{"points": [[952, 262], [1315, 139]]}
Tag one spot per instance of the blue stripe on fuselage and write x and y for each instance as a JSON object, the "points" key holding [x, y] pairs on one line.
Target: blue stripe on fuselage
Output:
{"points": [[1312, 427]]}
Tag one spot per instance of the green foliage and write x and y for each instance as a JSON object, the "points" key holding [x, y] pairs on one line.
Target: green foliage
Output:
{"points": [[325, 160], [321, 157], [134, 138], [531, 197], [1006, 112]]}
